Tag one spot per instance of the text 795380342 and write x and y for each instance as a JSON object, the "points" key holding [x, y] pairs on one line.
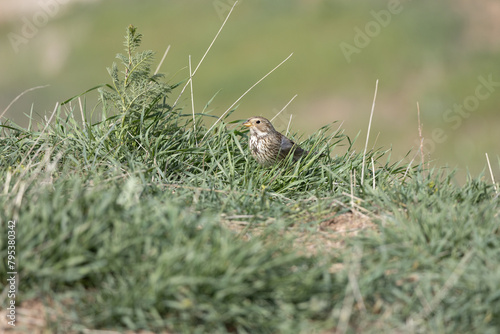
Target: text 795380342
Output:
{"points": [[12, 273]]}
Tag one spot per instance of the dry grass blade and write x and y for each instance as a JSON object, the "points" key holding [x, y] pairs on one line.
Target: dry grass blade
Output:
{"points": [[491, 174], [272, 119], [373, 169], [39, 137], [368, 133], [81, 112], [288, 126], [162, 60], [245, 93], [204, 55], [420, 136], [20, 95], [192, 98]]}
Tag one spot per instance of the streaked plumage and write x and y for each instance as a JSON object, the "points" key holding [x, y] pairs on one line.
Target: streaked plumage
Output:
{"points": [[267, 145]]}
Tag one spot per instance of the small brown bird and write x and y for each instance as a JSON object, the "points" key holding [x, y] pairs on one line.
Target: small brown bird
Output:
{"points": [[267, 145]]}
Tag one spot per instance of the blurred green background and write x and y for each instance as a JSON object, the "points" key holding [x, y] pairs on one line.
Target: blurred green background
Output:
{"points": [[438, 53]]}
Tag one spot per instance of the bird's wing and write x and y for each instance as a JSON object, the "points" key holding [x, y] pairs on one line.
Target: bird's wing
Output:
{"points": [[287, 145]]}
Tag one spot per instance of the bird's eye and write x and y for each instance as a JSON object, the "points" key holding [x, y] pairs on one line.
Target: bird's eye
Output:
{"points": [[258, 122]]}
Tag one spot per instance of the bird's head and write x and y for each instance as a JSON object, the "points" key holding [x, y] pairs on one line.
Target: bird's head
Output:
{"points": [[259, 126]]}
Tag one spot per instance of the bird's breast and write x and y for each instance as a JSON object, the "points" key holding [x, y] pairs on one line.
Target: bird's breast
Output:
{"points": [[264, 149], [257, 144]]}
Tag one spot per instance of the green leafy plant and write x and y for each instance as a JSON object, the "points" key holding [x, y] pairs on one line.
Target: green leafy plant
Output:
{"points": [[135, 92]]}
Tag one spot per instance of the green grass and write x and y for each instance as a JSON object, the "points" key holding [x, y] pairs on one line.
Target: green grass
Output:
{"points": [[123, 223]]}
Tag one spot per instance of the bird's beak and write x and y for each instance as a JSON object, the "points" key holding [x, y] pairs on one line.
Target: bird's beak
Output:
{"points": [[247, 124]]}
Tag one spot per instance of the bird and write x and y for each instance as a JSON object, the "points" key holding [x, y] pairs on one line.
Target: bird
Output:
{"points": [[267, 145]]}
